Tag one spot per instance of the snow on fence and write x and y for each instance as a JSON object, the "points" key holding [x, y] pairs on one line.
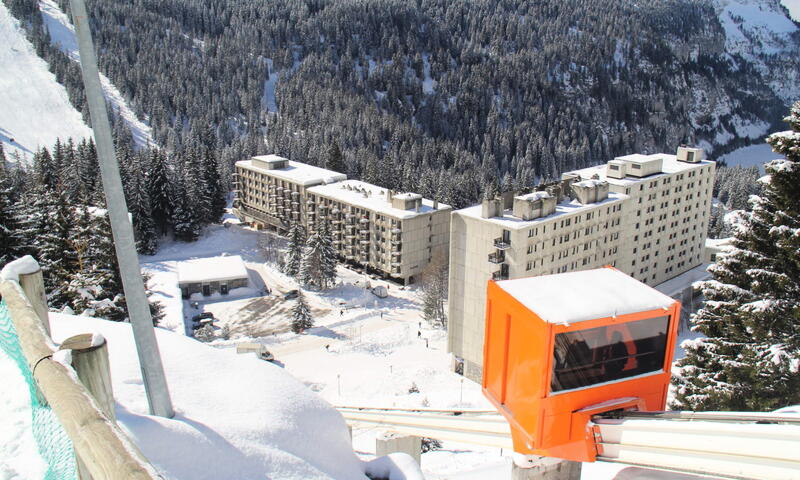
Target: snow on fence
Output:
{"points": [[99, 444]]}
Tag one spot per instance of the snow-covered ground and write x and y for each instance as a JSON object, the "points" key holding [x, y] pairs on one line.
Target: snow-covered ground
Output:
{"points": [[753, 155], [62, 33], [363, 350], [34, 108], [794, 8]]}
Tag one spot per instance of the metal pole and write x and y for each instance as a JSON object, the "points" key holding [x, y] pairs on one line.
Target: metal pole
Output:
{"points": [[155, 383]]}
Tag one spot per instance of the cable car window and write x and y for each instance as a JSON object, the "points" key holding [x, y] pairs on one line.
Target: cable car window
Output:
{"points": [[603, 354]]}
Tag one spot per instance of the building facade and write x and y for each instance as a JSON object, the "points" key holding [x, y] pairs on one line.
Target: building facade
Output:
{"points": [[647, 217], [391, 233], [270, 190], [397, 234]]}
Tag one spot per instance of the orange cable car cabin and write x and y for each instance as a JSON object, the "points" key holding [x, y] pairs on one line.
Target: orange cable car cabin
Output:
{"points": [[561, 348]]}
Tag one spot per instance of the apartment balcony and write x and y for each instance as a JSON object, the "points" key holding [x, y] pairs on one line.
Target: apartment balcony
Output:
{"points": [[501, 274], [497, 257], [364, 242], [501, 244], [395, 254], [350, 236], [364, 220], [295, 194]]}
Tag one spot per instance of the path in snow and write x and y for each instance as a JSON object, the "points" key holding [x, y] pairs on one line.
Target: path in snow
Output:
{"points": [[34, 107], [62, 33]]}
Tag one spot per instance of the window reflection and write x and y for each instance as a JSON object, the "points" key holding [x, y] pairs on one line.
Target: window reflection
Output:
{"points": [[602, 354]]}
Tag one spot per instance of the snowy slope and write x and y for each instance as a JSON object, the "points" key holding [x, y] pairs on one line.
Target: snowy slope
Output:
{"points": [[758, 29], [34, 108], [794, 8], [62, 33]]}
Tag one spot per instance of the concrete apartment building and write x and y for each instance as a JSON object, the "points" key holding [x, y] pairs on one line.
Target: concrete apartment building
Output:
{"points": [[395, 234], [270, 190], [647, 215]]}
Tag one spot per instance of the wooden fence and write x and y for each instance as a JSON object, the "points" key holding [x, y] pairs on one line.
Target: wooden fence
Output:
{"points": [[102, 449]]}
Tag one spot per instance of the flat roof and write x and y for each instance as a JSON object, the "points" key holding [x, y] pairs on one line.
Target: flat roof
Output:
{"points": [[295, 172], [678, 284], [372, 197], [508, 220], [670, 165], [213, 269], [572, 297]]}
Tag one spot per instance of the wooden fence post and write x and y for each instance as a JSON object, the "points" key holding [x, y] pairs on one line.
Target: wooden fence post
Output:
{"points": [[90, 361], [33, 286]]}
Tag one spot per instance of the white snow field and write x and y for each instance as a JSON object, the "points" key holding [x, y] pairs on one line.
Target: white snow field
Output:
{"points": [[753, 155], [794, 8], [62, 34], [363, 351], [34, 108]]}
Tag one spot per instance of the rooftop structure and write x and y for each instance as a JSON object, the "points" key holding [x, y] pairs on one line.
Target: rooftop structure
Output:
{"points": [[572, 297], [377, 199], [211, 275]]}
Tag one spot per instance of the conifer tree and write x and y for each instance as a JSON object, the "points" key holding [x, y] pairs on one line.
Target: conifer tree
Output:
{"points": [[158, 190], [294, 256], [9, 241], [184, 219], [749, 357], [301, 315], [335, 159], [319, 262]]}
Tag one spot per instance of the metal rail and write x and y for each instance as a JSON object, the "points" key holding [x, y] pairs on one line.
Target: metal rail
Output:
{"points": [[733, 445], [476, 427]]}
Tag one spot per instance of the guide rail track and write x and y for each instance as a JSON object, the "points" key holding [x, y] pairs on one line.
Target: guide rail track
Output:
{"points": [[734, 445]]}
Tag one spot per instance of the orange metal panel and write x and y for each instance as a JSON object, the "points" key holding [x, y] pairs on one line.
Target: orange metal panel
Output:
{"points": [[518, 364]]}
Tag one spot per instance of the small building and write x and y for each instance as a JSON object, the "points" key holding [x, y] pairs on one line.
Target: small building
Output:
{"points": [[211, 275]]}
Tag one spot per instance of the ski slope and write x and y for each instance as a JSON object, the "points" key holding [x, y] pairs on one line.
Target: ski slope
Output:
{"points": [[62, 34], [34, 108]]}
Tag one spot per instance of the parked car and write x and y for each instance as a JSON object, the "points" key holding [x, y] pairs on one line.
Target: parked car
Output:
{"points": [[202, 316], [291, 294]]}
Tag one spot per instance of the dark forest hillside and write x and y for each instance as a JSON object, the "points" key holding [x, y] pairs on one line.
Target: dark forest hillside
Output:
{"points": [[439, 96]]}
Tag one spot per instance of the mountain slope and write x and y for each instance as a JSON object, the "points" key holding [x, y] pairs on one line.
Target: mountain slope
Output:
{"points": [[34, 108]]}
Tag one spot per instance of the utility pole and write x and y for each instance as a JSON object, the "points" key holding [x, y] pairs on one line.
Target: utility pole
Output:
{"points": [[155, 383]]}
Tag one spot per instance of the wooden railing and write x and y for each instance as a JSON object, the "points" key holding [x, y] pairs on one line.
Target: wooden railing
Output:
{"points": [[102, 449]]}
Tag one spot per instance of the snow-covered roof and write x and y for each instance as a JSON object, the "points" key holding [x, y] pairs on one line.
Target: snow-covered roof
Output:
{"points": [[295, 172], [508, 220], [534, 195], [212, 269], [372, 197], [676, 285], [670, 165], [239, 417], [572, 297]]}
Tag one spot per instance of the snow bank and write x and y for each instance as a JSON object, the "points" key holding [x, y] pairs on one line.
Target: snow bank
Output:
{"points": [[395, 466], [236, 416], [21, 266]]}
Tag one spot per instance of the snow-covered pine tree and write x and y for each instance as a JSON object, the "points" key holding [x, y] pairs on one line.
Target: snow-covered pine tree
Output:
{"points": [[214, 190], [319, 262], [184, 219], [159, 191], [328, 256], [301, 314], [749, 357], [294, 256], [335, 159], [9, 241]]}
